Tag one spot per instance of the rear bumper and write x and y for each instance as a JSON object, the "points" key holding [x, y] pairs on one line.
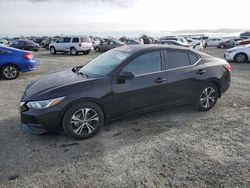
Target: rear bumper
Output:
{"points": [[29, 66]]}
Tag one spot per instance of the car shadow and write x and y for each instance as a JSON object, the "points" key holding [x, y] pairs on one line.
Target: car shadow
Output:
{"points": [[23, 153]]}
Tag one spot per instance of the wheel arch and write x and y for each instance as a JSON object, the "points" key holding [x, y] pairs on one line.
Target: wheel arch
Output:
{"points": [[10, 63], [217, 83], [92, 100], [248, 57]]}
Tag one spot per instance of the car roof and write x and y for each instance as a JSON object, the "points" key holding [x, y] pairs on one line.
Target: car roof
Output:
{"points": [[148, 47]]}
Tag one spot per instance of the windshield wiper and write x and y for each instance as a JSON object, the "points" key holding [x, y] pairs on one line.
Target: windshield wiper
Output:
{"points": [[82, 74]]}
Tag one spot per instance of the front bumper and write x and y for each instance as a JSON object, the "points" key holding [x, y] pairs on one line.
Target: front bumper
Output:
{"points": [[40, 121], [228, 56]]}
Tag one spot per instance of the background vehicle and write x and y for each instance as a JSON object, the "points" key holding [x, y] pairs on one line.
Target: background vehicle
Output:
{"points": [[74, 45], [108, 44], [239, 54], [132, 42], [194, 43], [122, 82], [211, 42], [25, 44], [229, 43], [243, 42], [14, 61], [175, 38], [171, 43]]}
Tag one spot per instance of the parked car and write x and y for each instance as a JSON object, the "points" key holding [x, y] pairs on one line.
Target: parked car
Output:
{"points": [[175, 38], [229, 43], [73, 45], [238, 54], [122, 82], [243, 42], [171, 43], [212, 42], [194, 43], [132, 42], [25, 44], [108, 44], [14, 61]]}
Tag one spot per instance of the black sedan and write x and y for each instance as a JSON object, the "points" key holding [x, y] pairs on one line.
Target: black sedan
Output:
{"points": [[122, 82], [25, 45]]}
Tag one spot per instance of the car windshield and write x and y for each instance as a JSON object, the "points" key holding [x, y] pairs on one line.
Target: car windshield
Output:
{"points": [[105, 63]]}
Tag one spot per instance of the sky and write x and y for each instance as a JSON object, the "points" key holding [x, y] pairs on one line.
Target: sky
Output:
{"points": [[110, 17]]}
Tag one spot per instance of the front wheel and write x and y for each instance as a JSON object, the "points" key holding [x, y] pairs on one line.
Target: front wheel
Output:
{"points": [[208, 97], [241, 58], [9, 72], [83, 120], [52, 50]]}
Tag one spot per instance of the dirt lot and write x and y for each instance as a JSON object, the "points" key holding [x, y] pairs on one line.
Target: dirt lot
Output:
{"points": [[173, 148]]}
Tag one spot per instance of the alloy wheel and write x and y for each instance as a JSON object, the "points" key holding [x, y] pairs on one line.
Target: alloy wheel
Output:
{"points": [[10, 72], [240, 58], [84, 121], [208, 97]]}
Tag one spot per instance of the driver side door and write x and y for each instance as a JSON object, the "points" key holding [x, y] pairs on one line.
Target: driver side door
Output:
{"points": [[146, 90]]}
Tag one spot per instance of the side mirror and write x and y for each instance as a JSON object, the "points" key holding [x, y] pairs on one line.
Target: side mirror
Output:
{"points": [[126, 75]]}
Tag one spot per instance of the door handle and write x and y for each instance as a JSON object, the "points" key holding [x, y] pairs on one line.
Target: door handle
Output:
{"points": [[201, 71], [160, 80]]}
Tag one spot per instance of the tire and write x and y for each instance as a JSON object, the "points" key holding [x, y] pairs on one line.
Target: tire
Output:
{"points": [[10, 72], [207, 97], [86, 52], [222, 46], [241, 58], [52, 50], [78, 127], [73, 51], [97, 49]]}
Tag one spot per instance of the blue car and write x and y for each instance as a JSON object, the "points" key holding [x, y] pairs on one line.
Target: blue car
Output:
{"points": [[14, 61]]}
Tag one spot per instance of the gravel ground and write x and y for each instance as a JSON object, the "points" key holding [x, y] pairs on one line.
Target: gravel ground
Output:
{"points": [[178, 147]]}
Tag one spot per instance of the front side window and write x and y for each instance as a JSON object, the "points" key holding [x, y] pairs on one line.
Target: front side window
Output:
{"points": [[146, 63], [177, 58], [66, 40]]}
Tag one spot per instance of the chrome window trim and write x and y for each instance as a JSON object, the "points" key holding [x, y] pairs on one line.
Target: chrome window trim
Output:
{"points": [[185, 66], [149, 73]]}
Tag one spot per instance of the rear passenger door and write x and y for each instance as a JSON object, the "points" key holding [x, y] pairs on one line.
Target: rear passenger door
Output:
{"points": [[183, 75], [66, 43]]}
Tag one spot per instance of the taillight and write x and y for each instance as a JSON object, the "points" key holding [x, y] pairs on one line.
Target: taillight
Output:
{"points": [[228, 67], [28, 56]]}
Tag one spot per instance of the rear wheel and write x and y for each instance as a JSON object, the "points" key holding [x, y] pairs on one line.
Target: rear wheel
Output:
{"points": [[83, 120], [86, 52], [241, 58], [222, 46], [9, 72], [97, 49], [207, 97], [73, 51], [52, 50]]}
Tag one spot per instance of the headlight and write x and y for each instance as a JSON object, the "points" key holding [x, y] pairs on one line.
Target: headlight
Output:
{"points": [[44, 104], [230, 51]]}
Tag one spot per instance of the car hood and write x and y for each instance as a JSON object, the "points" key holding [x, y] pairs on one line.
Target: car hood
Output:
{"points": [[236, 48], [53, 82]]}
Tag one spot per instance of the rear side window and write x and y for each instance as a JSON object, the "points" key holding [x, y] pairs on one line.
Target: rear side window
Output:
{"points": [[66, 40], [75, 40], [85, 39], [146, 63], [177, 58], [193, 58]]}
